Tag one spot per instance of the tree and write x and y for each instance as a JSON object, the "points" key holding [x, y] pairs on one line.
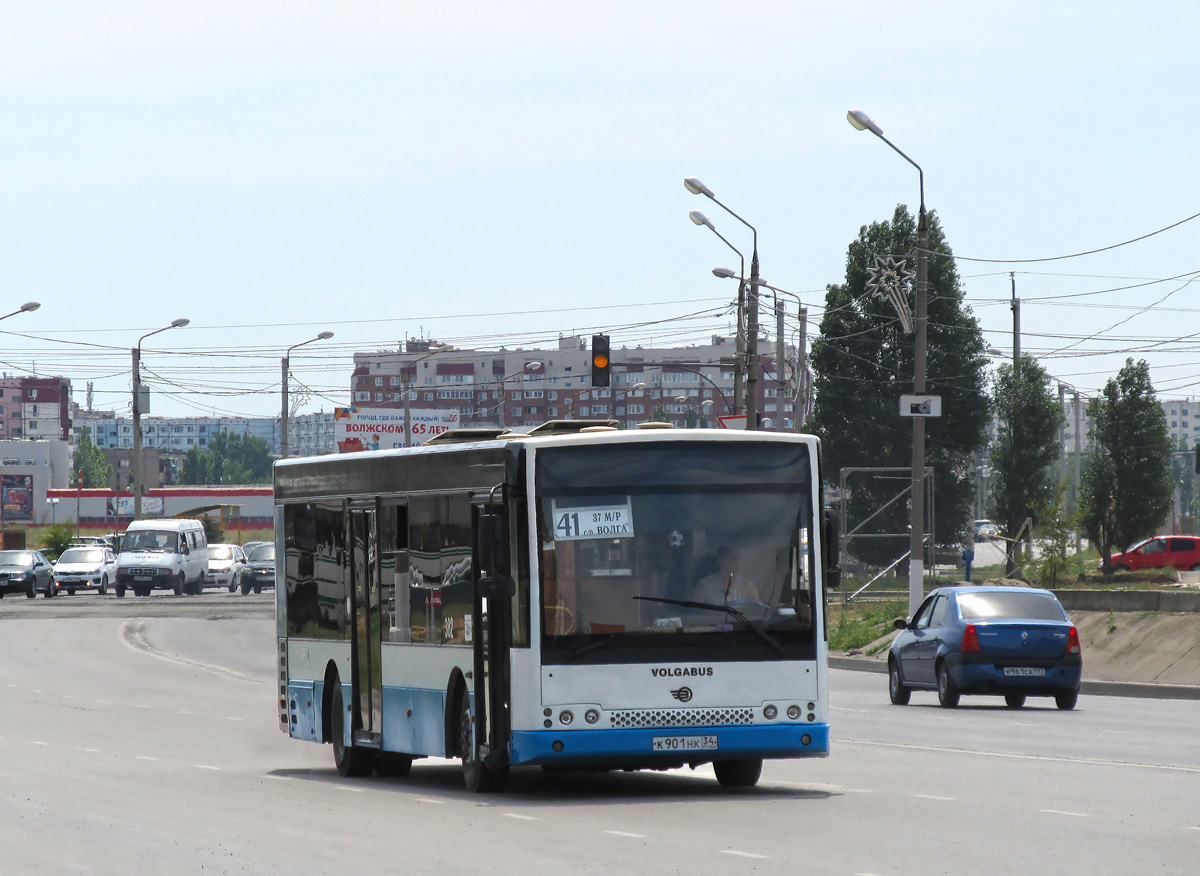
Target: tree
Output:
{"points": [[1127, 484], [864, 362], [1026, 448], [89, 461], [231, 458]]}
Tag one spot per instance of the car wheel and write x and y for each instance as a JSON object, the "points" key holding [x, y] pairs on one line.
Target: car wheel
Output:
{"points": [[947, 690], [1122, 569], [104, 585], [180, 584], [1195, 568], [258, 588], [49, 592], [1066, 701], [70, 591], [476, 775], [897, 689], [738, 773], [1014, 701], [245, 588], [120, 591], [31, 591], [350, 761]]}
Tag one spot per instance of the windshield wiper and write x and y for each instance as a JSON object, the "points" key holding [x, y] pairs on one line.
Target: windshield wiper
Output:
{"points": [[728, 609]]}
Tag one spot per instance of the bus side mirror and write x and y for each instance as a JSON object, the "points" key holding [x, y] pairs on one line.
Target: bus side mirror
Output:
{"points": [[492, 544], [829, 546]]}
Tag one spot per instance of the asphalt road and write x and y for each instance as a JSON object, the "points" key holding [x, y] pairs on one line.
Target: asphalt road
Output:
{"points": [[132, 743]]}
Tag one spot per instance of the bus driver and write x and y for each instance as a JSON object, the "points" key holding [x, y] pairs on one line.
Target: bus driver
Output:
{"points": [[725, 585]]}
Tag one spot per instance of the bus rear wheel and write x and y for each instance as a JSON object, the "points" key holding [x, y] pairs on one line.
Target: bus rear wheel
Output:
{"points": [[738, 773], [478, 778], [350, 761]]}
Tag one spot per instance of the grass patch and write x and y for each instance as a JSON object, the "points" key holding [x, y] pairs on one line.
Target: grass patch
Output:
{"points": [[859, 624]]}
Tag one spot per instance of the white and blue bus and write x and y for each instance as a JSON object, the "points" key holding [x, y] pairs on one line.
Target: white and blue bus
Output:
{"points": [[574, 597]]}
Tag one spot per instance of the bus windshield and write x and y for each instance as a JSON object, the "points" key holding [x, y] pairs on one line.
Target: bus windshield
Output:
{"points": [[689, 552]]}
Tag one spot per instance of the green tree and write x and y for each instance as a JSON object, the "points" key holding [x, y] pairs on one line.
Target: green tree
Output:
{"points": [[1026, 449], [90, 462], [864, 362], [1127, 484], [231, 458]]}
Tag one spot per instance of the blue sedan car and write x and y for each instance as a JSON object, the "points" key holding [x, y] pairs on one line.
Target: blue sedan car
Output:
{"points": [[1004, 641]]}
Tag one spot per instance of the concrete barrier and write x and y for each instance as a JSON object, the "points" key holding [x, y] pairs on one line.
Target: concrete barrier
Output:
{"points": [[1129, 600]]}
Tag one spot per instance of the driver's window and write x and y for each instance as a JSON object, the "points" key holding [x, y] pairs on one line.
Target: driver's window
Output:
{"points": [[1153, 547]]}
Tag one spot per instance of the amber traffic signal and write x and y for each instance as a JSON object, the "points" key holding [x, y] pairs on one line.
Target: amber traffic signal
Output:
{"points": [[601, 364]]}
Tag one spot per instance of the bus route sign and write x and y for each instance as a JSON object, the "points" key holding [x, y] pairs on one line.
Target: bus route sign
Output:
{"points": [[579, 522]]}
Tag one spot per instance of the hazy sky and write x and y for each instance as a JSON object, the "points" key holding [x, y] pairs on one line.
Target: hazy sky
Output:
{"points": [[492, 173]]}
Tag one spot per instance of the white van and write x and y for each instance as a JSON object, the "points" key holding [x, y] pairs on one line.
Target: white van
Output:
{"points": [[162, 554]]}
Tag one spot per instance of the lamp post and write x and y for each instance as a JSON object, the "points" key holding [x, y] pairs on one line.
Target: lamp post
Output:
{"points": [[740, 349], [504, 401], [53, 503], [698, 408], [283, 411], [408, 392], [916, 559], [637, 387], [696, 187], [137, 414]]}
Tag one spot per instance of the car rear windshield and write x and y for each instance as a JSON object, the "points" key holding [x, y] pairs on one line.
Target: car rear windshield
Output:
{"points": [[987, 605]]}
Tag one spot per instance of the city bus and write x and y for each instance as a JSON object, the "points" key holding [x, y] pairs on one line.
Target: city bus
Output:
{"points": [[577, 596]]}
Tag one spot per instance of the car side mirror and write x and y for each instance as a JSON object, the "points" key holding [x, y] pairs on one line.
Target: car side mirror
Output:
{"points": [[900, 623]]}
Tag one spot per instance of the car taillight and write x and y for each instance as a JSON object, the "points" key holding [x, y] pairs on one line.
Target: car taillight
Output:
{"points": [[970, 642], [1073, 641]]}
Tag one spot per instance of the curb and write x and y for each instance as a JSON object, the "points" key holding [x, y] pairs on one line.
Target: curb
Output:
{"points": [[1091, 687]]}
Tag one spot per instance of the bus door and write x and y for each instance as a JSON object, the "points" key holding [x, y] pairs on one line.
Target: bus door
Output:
{"points": [[492, 574], [364, 646]]}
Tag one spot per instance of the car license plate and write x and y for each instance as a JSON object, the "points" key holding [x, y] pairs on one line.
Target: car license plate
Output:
{"points": [[1028, 671], [143, 577], [684, 743]]}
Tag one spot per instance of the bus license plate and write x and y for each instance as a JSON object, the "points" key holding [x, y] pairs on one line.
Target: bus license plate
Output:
{"points": [[684, 743], [1034, 671]]}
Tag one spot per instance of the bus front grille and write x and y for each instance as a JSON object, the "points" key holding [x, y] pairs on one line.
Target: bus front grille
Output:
{"points": [[682, 718]]}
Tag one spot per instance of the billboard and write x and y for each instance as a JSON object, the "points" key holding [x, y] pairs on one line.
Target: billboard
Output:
{"points": [[122, 506], [356, 429], [17, 497]]}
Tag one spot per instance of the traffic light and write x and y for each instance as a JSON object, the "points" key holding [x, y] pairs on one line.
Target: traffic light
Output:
{"points": [[601, 364]]}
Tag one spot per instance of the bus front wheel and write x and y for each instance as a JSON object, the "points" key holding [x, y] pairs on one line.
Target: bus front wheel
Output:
{"points": [[350, 761], [476, 775], [738, 773]]}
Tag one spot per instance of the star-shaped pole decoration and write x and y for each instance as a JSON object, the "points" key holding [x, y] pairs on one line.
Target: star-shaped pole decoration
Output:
{"points": [[888, 280]]}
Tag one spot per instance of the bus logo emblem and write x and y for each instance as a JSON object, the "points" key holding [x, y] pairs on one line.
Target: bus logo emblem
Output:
{"points": [[683, 694]]}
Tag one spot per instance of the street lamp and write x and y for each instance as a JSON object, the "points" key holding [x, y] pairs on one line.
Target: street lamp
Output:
{"points": [[696, 187], [503, 401], [408, 391], [283, 412], [637, 387], [53, 503], [698, 408], [916, 545], [137, 414]]}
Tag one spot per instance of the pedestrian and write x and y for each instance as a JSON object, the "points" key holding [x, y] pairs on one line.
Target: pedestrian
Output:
{"points": [[968, 557]]}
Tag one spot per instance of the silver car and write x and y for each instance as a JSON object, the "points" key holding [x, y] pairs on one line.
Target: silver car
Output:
{"points": [[226, 563], [85, 567]]}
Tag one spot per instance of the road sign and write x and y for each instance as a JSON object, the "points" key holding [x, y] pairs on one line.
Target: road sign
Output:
{"points": [[738, 422], [920, 405]]}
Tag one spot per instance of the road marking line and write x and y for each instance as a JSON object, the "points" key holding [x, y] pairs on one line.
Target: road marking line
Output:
{"points": [[67, 697], [743, 854], [1084, 761], [104, 702], [1023, 724], [932, 797], [145, 757], [846, 709], [1063, 812], [92, 750], [1192, 828], [232, 718], [35, 742], [184, 712], [624, 833], [428, 800], [522, 817], [140, 706], [36, 691], [277, 778], [201, 766], [352, 790]]}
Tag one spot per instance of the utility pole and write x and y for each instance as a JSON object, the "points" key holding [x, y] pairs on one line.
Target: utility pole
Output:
{"points": [[800, 416], [137, 434], [1075, 492], [739, 357], [752, 343]]}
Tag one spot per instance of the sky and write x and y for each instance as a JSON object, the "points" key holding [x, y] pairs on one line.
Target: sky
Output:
{"points": [[489, 174]]}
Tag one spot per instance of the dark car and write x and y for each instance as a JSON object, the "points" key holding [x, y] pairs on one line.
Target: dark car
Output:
{"points": [[26, 572], [1003, 641], [1180, 552], [260, 569]]}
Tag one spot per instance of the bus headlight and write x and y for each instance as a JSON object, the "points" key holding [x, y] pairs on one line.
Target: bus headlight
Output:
{"points": [[770, 712], [566, 717], [793, 712], [591, 716]]}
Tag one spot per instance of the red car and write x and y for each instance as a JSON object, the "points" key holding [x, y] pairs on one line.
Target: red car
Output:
{"points": [[1161, 552]]}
